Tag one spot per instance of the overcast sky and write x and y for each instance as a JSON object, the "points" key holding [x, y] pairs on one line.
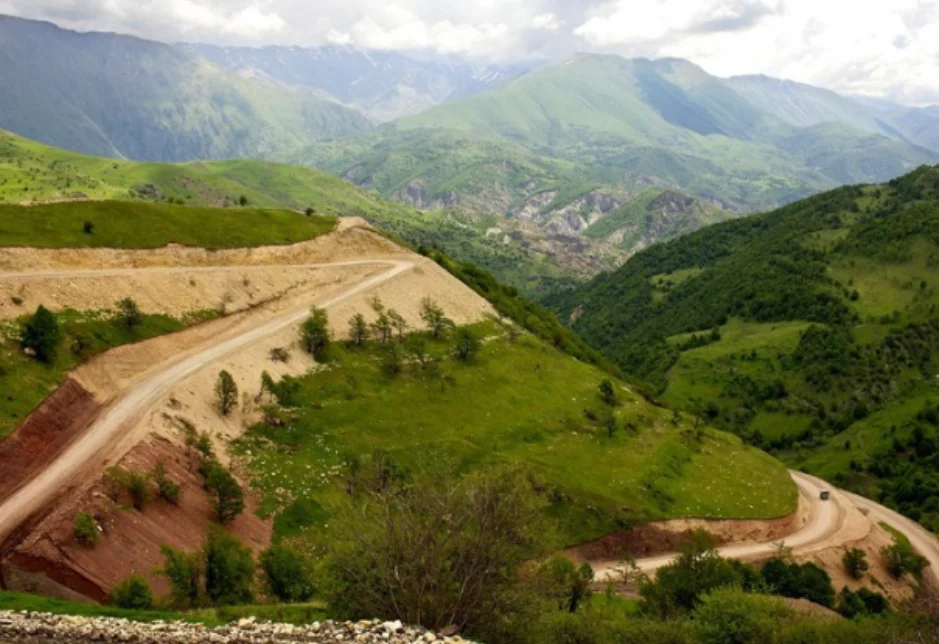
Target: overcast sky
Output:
{"points": [[884, 48]]}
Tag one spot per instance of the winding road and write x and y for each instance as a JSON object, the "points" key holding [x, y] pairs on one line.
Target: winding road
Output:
{"points": [[831, 523], [118, 418], [827, 526]]}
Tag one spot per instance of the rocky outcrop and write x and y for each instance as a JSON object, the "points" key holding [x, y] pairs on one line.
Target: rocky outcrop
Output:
{"points": [[34, 627], [415, 193]]}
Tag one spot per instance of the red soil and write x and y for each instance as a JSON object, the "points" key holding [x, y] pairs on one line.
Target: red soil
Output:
{"points": [[130, 540], [48, 430]]}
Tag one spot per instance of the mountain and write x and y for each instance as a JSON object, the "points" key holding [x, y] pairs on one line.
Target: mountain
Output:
{"points": [[119, 96], [804, 106], [812, 331], [614, 122], [382, 85]]}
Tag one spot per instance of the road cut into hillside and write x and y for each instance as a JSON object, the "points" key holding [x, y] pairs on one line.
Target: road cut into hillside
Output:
{"points": [[831, 527]]}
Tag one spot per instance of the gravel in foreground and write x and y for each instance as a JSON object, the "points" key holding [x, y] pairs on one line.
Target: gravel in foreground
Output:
{"points": [[34, 627]]}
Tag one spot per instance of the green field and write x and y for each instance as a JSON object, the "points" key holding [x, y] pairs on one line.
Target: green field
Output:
{"points": [[520, 402], [124, 224]]}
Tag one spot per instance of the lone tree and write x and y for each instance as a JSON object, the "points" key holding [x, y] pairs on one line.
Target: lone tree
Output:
{"points": [[226, 392], [229, 497], [358, 330], [467, 345], [434, 317], [607, 392], [398, 323], [41, 335], [128, 314], [314, 334], [243, 201], [88, 228], [308, 212], [382, 327], [132, 593], [855, 562]]}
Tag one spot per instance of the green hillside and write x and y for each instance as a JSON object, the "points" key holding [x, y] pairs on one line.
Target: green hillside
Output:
{"points": [[617, 120], [32, 173], [123, 97], [811, 331], [519, 402]]}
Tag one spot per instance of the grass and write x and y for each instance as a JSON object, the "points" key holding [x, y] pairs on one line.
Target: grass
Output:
{"points": [[25, 382], [121, 224], [519, 403]]}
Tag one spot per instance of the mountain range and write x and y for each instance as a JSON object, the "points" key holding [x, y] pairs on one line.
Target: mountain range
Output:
{"points": [[588, 160]]}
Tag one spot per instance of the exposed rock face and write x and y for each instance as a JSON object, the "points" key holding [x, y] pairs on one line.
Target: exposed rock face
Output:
{"points": [[35, 627], [415, 194]]}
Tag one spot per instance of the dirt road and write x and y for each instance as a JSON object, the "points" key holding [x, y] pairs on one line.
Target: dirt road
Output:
{"points": [[840, 520], [119, 418]]}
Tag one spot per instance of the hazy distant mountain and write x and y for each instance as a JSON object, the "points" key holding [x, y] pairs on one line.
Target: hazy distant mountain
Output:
{"points": [[383, 85], [113, 95], [605, 120], [804, 105]]}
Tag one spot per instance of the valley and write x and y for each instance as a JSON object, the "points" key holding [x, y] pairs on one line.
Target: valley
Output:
{"points": [[398, 327]]}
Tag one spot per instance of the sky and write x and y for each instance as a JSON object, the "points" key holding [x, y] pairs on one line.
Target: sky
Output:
{"points": [[881, 48]]}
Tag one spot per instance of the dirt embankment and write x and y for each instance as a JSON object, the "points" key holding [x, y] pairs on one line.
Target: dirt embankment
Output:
{"points": [[58, 421], [662, 537], [130, 539]]}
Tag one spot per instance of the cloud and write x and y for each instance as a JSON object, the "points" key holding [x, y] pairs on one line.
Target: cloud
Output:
{"points": [[888, 48], [547, 21]]}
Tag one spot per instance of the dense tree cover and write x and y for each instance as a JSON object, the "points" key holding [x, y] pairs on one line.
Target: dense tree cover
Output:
{"points": [[778, 267]]}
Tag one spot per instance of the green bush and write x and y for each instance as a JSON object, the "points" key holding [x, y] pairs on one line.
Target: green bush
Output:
{"points": [[133, 593], [41, 335], [167, 489], [287, 575], [855, 562], [229, 497], [86, 530], [900, 558], [226, 393], [229, 569], [731, 616], [315, 335]]}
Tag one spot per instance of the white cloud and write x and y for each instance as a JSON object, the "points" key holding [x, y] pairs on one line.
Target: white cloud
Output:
{"points": [[547, 21], [336, 37], [875, 48]]}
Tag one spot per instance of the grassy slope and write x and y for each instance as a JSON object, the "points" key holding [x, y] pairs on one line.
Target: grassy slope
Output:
{"points": [[519, 402], [850, 398], [32, 172], [121, 96], [122, 224]]}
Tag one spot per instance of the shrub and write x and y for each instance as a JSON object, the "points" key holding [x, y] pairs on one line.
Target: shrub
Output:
{"points": [[88, 227], [86, 530], [229, 497], [229, 568], [185, 571], [287, 575], [807, 581], [900, 558], [132, 593], [167, 489], [358, 329], [607, 392], [456, 544], [731, 616], [679, 585], [398, 323], [315, 335], [134, 482], [226, 392], [855, 562], [435, 319], [41, 335], [467, 345], [128, 314], [382, 327]]}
